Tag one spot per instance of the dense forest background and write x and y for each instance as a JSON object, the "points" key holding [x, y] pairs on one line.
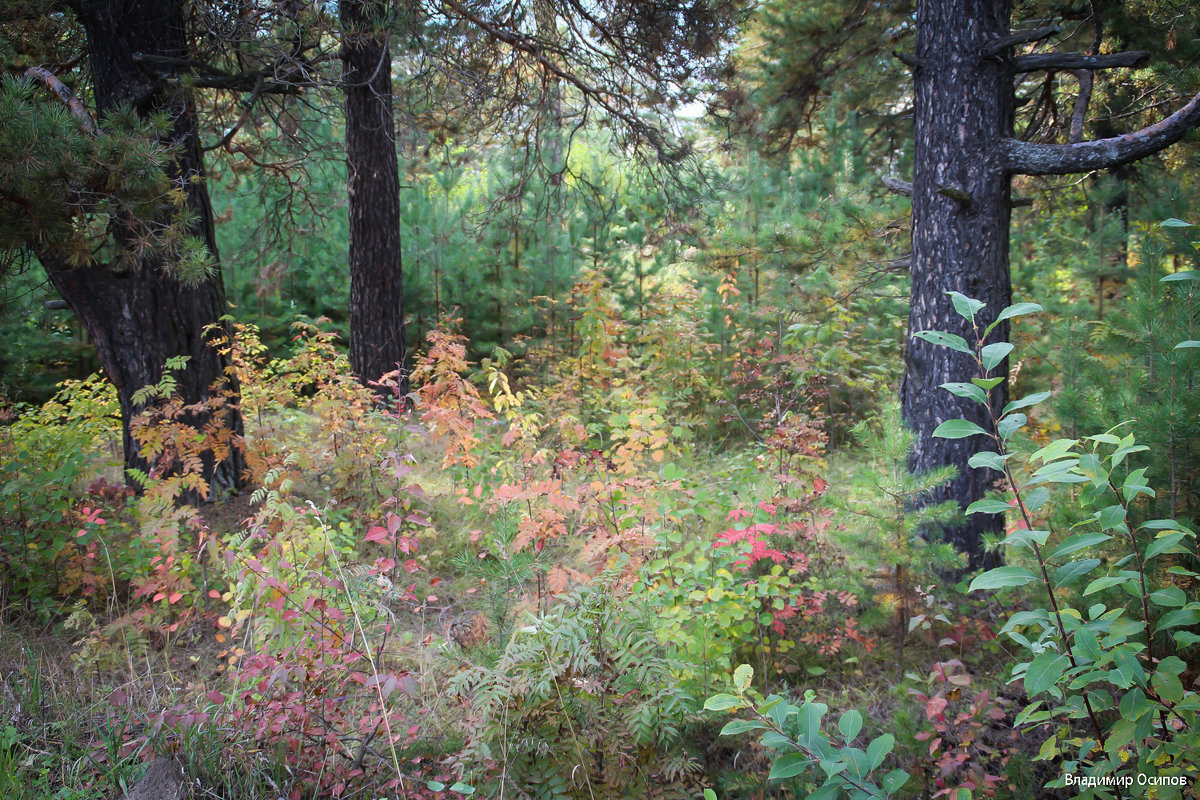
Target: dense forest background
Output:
{"points": [[697, 399]]}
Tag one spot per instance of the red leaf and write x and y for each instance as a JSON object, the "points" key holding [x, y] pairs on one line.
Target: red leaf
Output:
{"points": [[935, 707]]}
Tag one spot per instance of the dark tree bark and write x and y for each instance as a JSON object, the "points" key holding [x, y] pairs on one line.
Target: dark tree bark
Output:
{"points": [[964, 158], [377, 344], [139, 318], [961, 207]]}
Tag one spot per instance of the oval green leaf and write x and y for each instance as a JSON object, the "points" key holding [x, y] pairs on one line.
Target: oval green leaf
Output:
{"points": [[958, 429], [788, 765], [1002, 578], [722, 702], [1044, 672], [942, 339], [741, 726], [992, 355], [850, 724]]}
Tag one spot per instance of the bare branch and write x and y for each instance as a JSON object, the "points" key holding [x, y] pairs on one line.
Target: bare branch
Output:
{"points": [[1079, 115], [997, 46], [294, 80], [43, 75], [1028, 158], [897, 185], [247, 107], [601, 96], [1075, 61]]}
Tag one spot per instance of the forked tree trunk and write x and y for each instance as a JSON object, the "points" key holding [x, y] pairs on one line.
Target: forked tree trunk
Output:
{"points": [[139, 318], [377, 344]]}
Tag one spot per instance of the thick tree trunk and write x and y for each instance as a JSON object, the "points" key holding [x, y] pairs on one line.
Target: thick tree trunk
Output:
{"points": [[139, 318], [963, 107], [377, 344]]}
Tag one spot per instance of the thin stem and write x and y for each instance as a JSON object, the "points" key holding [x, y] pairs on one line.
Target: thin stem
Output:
{"points": [[1037, 550]]}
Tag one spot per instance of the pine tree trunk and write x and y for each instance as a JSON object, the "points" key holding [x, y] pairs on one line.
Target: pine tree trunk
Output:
{"points": [[377, 344], [139, 318], [962, 107]]}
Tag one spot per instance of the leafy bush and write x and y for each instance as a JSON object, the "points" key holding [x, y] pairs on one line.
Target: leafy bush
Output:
{"points": [[582, 703], [47, 455], [1104, 681]]}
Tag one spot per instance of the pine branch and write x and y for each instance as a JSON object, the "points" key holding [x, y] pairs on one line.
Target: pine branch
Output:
{"points": [[1029, 158]]}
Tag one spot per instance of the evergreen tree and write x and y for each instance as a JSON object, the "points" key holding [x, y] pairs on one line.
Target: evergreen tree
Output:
{"points": [[151, 292], [377, 344]]}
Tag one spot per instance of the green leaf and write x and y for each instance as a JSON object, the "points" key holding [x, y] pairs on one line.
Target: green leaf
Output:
{"points": [[709, 794], [1135, 484], [1068, 573], [894, 780], [810, 722], [987, 384], [1183, 275], [722, 702], [878, 749], [1101, 584], [988, 506], [1044, 672], [1172, 222], [1022, 537], [1079, 541], [1127, 663], [436, 786], [1025, 402], [856, 761], [462, 788], [1001, 578], [986, 458], [1015, 310], [1161, 525], [967, 307], [1170, 597], [1187, 343], [967, 390], [1180, 617], [850, 724], [741, 726], [789, 765], [992, 355], [1010, 424], [958, 429], [1165, 543], [1057, 449], [1086, 645], [1185, 639], [1027, 712], [830, 791], [1036, 498], [1119, 455], [942, 339], [1167, 686], [742, 677]]}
